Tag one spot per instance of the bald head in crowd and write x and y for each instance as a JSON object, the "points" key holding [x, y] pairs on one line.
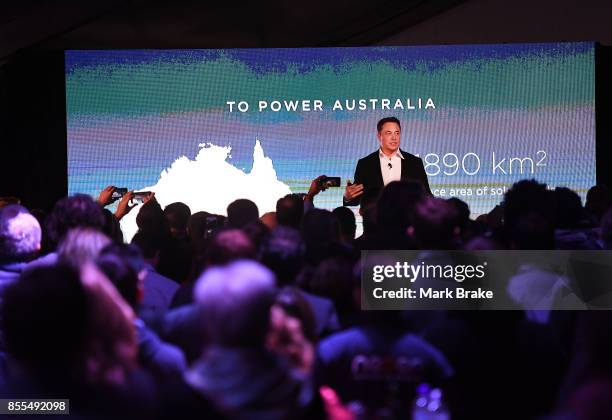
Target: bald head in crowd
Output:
{"points": [[20, 234]]}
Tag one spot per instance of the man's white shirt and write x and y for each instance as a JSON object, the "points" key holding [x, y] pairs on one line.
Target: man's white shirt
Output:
{"points": [[390, 167]]}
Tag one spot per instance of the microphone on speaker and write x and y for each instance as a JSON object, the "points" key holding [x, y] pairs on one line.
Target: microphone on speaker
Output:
{"points": [[389, 165]]}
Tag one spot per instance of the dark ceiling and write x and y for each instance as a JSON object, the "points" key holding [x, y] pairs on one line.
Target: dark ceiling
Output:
{"points": [[93, 24]]}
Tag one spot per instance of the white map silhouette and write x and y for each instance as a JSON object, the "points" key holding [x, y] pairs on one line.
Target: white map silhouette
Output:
{"points": [[209, 183]]}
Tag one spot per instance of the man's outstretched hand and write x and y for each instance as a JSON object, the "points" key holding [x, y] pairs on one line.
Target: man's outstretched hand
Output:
{"points": [[316, 186], [149, 197], [352, 191], [124, 205], [106, 196]]}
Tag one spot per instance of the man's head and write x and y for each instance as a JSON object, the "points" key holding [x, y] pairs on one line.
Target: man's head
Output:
{"points": [[19, 234], [283, 253], [321, 234], [568, 208], [289, 210], [177, 214], [346, 222], [396, 204], [241, 212], [269, 220], [598, 199], [229, 245], [123, 265], [462, 209], [389, 132], [235, 302], [151, 218], [529, 214], [78, 210], [149, 244]]}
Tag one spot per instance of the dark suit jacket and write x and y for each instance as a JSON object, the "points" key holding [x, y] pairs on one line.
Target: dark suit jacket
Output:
{"points": [[368, 173]]}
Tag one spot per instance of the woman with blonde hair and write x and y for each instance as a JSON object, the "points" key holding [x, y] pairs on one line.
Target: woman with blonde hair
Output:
{"points": [[112, 348]]}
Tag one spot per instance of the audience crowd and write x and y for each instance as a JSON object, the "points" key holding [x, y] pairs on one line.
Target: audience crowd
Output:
{"points": [[251, 316]]}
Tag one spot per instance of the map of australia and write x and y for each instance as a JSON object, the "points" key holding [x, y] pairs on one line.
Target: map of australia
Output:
{"points": [[209, 183]]}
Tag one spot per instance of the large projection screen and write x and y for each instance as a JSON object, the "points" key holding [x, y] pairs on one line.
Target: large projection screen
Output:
{"points": [[206, 127]]}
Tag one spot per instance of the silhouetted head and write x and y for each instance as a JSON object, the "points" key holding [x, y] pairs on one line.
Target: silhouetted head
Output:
{"points": [[151, 219], [289, 210], [257, 233], [292, 301], [320, 226], [396, 204], [462, 209], [320, 233], [196, 228], [78, 210], [346, 222], [333, 278], [122, 264], [149, 244], [283, 253], [112, 228], [177, 215], [598, 200], [242, 212], [529, 215], [568, 208]]}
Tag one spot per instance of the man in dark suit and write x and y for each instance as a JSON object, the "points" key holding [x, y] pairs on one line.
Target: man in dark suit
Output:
{"points": [[387, 164]]}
